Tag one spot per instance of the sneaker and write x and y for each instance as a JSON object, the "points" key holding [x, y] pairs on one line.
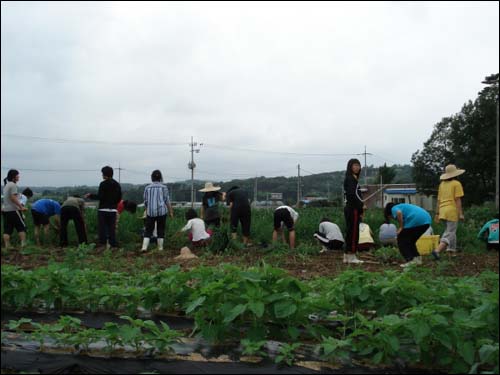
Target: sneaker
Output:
{"points": [[415, 261], [352, 259], [435, 255]]}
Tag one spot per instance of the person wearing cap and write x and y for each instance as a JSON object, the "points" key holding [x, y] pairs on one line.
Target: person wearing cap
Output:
{"points": [[449, 208], [210, 204]]}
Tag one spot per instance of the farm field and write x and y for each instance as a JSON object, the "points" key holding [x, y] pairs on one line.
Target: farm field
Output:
{"points": [[291, 311]]}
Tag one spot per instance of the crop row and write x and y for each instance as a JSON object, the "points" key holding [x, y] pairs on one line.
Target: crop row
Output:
{"points": [[451, 322], [130, 225]]}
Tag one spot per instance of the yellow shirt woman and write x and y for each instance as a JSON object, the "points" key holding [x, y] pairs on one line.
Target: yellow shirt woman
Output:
{"points": [[449, 191]]}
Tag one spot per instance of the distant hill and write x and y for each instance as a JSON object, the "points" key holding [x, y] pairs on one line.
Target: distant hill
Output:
{"points": [[316, 185]]}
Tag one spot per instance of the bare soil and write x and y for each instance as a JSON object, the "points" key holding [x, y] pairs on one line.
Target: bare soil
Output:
{"points": [[299, 265]]}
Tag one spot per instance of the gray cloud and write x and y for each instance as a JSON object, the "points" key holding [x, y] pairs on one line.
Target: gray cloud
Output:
{"points": [[293, 77]]}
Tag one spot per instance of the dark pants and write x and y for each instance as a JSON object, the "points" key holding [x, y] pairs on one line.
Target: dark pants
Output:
{"points": [[492, 246], [241, 215], [72, 213], [107, 227], [407, 241], [215, 222], [160, 226], [329, 244], [352, 229]]}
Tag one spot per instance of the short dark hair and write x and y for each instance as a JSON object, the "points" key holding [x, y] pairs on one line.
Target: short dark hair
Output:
{"points": [[130, 206], [107, 171], [388, 210], [11, 174], [325, 219], [191, 214], [28, 192], [156, 176]]}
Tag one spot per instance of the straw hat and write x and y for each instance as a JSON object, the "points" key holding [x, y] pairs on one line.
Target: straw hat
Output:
{"points": [[186, 254], [209, 187], [451, 171]]}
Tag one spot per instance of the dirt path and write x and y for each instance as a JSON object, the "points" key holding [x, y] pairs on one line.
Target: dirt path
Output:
{"points": [[301, 266]]}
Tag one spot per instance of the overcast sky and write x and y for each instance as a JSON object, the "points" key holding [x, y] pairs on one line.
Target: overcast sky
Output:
{"points": [[253, 82]]}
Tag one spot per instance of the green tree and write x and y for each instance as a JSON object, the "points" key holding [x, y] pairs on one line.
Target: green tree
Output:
{"points": [[386, 173], [466, 139]]}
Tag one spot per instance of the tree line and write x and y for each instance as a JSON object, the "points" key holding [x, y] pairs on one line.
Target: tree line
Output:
{"points": [[468, 140]]}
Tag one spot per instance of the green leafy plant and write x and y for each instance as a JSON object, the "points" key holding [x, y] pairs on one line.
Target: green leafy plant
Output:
{"points": [[287, 353]]}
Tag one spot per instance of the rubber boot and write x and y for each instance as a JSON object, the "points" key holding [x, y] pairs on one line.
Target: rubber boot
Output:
{"points": [[145, 244], [352, 259], [160, 244]]}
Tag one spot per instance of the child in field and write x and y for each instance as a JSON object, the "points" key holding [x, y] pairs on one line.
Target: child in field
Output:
{"points": [[41, 211], [125, 205], [198, 235], [73, 208], [285, 216], [25, 196], [329, 235], [413, 222], [366, 241], [490, 229], [388, 234]]}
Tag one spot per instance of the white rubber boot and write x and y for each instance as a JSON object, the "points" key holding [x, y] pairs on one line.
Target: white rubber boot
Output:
{"points": [[160, 244], [145, 244], [352, 259]]}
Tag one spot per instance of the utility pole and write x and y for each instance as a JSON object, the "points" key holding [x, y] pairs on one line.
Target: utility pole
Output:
{"points": [[381, 193], [365, 153], [119, 173], [255, 191], [298, 185], [192, 166]]}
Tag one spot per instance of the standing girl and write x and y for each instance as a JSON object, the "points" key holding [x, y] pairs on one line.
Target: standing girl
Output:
{"points": [[449, 208], [12, 209], [353, 210], [157, 203]]}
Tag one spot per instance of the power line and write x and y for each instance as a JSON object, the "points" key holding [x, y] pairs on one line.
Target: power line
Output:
{"points": [[116, 143], [55, 170], [272, 152]]}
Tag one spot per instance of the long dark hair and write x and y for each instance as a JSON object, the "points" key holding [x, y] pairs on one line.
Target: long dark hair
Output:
{"points": [[349, 171], [11, 174]]}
